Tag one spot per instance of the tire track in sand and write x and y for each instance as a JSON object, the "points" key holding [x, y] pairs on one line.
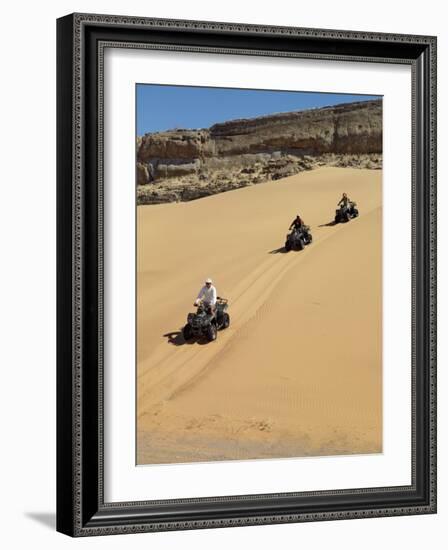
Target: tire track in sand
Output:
{"points": [[255, 310], [173, 366]]}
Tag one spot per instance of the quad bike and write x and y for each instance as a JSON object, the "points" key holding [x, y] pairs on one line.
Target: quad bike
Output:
{"points": [[346, 213], [206, 322], [298, 238]]}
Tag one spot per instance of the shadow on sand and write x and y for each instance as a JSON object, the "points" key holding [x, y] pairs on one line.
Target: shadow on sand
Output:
{"points": [[176, 338], [281, 250], [329, 224]]}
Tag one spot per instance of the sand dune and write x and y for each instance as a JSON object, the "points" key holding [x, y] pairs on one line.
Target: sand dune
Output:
{"points": [[299, 370]]}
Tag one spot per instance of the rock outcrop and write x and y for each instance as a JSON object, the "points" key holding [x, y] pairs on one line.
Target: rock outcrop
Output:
{"points": [[180, 165]]}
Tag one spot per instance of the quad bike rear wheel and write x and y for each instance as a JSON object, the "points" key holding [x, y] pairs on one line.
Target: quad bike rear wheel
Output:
{"points": [[225, 321]]}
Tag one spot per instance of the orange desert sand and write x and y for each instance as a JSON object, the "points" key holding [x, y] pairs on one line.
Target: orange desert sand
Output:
{"points": [[298, 372]]}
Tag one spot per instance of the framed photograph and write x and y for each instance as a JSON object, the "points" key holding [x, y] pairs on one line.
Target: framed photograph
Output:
{"points": [[246, 274]]}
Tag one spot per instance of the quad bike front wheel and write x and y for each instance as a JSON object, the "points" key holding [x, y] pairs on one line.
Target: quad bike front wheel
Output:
{"points": [[187, 332], [300, 244], [211, 333]]}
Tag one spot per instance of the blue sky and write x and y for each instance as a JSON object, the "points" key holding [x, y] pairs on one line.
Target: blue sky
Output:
{"points": [[167, 107]]}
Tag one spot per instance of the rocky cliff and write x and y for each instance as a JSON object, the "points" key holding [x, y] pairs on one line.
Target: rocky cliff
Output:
{"points": [[179, 165]]}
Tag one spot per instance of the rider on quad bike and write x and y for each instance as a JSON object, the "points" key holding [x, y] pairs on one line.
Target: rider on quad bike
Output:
{"points": [[299, 236], [346, 210], [345, 201], [207, 295], [297, 223], [211, 315]]}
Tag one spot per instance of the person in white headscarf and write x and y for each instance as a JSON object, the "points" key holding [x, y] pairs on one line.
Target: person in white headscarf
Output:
{"points": [[207, 295]]}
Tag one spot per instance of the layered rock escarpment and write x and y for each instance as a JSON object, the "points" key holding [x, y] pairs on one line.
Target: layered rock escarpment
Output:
{"points": [[180, 165]]}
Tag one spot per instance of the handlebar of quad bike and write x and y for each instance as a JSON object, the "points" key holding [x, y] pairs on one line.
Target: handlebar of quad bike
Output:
{"points": [[218, 299]]}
